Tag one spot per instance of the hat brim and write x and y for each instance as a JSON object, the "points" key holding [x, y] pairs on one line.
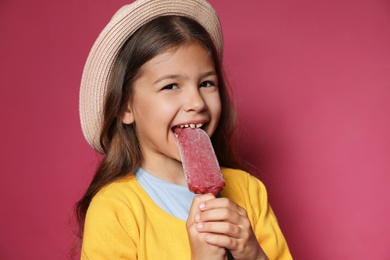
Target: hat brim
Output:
{"points": [[123, 24]]}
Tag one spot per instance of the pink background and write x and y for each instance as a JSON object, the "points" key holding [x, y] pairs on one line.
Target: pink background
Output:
{"points": [[312, 84]]}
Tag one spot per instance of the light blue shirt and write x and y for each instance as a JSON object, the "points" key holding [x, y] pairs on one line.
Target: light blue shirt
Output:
{"points": [[172, 198]]}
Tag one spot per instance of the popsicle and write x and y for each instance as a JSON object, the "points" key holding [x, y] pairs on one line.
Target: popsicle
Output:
{"points": [[200, 163]]}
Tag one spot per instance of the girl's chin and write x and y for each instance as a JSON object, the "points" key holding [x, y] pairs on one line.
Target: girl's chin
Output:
{"points": [[177, 157]]}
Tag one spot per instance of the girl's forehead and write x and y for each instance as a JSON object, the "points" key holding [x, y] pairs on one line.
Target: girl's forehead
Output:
{"points": [[186, 55], [192, 44]]}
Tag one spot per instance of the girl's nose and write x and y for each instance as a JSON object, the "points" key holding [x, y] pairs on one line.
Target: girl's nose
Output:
{"points": [[194, 101]]}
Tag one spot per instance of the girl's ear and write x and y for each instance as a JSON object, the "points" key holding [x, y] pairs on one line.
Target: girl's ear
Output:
{"points": [[128, 116]]}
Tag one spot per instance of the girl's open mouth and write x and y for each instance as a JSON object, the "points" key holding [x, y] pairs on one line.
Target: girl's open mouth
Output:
{"points": [[178, 128]]}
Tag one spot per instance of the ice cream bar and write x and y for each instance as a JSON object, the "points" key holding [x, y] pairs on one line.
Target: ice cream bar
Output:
{"points": [[200, 164]]}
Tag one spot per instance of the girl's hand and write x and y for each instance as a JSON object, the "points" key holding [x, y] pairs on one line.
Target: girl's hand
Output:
{"points": [[200, 249], [226, 225]]}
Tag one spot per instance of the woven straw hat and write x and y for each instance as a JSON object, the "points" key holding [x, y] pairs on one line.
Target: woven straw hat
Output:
{"points": [[123, 24]]}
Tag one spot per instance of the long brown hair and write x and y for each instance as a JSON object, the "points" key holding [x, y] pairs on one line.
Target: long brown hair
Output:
{"points": [[122, 153]]}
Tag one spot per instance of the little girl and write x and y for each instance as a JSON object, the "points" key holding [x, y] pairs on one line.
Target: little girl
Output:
{"points": [[157, 65]]}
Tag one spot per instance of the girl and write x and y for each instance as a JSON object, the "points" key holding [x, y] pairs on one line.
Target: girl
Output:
{"points": [[158, 65]]}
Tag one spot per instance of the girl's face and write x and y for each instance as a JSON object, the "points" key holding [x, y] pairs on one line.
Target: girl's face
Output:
{"points": [[176, 87]]}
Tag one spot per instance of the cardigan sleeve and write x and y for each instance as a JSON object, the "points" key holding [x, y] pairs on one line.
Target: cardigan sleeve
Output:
{"points": [[267, 229], [109, 230], [250, 193]]}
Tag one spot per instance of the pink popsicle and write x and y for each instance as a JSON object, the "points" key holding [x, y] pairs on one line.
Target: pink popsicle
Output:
{"points": [[200, 164]]}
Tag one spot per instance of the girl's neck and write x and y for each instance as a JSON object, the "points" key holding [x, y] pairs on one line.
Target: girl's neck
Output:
{"points": [[169, 170]]}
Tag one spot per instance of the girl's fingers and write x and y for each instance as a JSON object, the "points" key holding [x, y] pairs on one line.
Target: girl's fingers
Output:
{"points": [[240, 248], [224, 224], [224, 228], [200, 249], [221, 214], [221, 203], [195, 209], [221, 241]]}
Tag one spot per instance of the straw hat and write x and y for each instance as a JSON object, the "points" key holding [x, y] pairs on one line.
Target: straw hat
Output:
{"points": [[122, 25]]}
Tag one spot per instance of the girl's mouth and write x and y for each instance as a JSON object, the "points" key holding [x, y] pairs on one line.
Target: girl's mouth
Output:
{"points": [[178, 128]]}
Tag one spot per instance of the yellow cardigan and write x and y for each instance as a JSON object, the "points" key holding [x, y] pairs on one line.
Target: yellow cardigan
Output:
{"points": [[123, 222]]}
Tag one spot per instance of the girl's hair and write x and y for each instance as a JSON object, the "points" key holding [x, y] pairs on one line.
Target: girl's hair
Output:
{"points": [[119, 141]]}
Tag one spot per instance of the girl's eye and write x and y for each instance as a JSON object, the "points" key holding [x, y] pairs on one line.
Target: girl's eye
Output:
{"points": [[206, 84], [171, 86]]}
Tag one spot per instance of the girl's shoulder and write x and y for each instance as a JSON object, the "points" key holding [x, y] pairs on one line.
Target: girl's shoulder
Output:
{"points": [[243, 188], [120, 192], [237, 177]]}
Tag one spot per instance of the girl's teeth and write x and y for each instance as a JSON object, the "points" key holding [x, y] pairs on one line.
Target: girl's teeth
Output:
{"points": [[191, 125]]}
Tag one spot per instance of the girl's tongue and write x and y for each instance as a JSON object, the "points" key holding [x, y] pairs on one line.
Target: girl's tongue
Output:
{"points": [[177, 129]]}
